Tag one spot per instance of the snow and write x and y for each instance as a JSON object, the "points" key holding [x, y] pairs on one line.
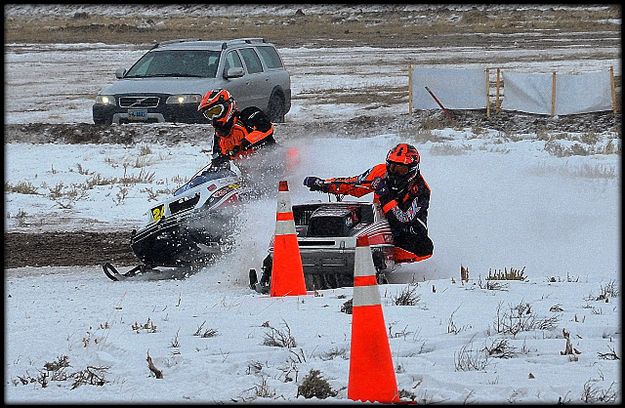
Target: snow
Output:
{"points": [[512, 207], [497, 202], [313, 72]]}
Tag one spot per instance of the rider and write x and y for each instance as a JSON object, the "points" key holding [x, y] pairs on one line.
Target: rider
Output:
{"points": [[237, 133], [402, 192]]}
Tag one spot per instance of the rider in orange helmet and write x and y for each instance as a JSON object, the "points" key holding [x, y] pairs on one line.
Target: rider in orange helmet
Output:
{"points": [[237, 133], [402, 192]]}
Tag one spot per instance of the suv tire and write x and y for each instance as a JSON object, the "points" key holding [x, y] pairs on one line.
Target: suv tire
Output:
{"points": [[276, 108], [103, 121]]}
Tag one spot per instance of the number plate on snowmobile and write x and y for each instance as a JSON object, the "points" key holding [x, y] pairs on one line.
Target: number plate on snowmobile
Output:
{"points": [[158, 212]]}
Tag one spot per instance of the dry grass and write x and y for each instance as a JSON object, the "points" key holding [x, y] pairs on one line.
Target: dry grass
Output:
{"points": [[499, 348], [280, 338], [521, 318], [384, 96], [594, 394], [341, 352], [262, 390], [56, 371], [492, 284], [597, 171], [424, 28], [512, 274], [207, 332], [442, 149], [148, 326], [23, 187], [314, 385], [468, 359], [407, 297], [609, 290]]}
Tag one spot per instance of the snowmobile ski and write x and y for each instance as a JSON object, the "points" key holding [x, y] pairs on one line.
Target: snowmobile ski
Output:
{"points": [[260, 287], [143, 272], [113, 274]]}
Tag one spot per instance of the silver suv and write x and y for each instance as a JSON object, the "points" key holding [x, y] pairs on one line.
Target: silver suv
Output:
{"points": [[167, 83]]}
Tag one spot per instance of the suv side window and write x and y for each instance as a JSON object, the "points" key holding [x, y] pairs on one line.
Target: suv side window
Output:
{"points": [[270, 57], [251, 60], [232, 61]]}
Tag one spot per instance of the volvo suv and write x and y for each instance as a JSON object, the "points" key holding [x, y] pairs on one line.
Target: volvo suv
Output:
{"points": [[167, 83]]}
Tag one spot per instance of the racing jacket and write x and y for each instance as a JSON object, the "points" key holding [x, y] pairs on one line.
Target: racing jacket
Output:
{"points": [[406, 212], [247, 131]]}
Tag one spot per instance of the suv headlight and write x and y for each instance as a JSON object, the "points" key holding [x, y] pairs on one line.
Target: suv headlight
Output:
{"points": [[182, 99], [105, 100]]}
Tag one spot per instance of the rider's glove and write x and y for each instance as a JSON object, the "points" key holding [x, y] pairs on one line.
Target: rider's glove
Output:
{"points": [[382, 191], [315, 184]]}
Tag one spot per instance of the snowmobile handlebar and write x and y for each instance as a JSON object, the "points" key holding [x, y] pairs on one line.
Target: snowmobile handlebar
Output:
{"points": [[339, 197]]}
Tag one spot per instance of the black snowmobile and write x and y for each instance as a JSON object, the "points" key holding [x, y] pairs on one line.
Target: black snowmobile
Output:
{"points": [[183, 233]]}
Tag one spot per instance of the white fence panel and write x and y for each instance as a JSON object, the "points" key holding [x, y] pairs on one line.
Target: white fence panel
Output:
{"points": [[455, 88], [581, 93], [527, 92]]}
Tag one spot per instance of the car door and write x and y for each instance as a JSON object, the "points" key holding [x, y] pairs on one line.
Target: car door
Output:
{"points": [[260, 86], [238, 87]]}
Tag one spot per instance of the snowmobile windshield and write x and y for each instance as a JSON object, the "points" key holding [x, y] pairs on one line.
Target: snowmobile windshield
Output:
{"points": [[204, 177]]}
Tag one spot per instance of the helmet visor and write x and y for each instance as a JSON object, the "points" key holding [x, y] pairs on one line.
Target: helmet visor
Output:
{"points": [[398, 169], [214, 111]]}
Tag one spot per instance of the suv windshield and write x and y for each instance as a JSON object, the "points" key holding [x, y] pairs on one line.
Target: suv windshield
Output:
{"points": [[172, 63]]}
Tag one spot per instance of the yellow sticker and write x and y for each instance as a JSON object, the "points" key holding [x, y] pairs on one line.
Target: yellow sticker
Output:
{"points": [[158, 212]]}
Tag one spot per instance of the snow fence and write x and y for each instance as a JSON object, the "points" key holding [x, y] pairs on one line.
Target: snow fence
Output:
{"points": [[540, 93]]}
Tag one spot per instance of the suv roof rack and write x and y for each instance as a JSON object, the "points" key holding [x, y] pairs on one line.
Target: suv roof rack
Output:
{"points": [[247, 40], [158, 44]]}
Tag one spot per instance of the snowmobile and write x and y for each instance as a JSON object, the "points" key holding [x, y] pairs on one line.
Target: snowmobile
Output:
{"points": [[184, 232], [327, 233]]}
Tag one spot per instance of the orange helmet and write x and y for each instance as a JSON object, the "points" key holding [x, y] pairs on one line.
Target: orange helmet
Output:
{"points": [[402, 165], [218, 105]]}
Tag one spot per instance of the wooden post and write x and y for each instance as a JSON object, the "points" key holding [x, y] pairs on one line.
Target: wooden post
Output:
{"points": [[487, 93], [498, 84], [553, 94], [613, 88], [410, 89]]}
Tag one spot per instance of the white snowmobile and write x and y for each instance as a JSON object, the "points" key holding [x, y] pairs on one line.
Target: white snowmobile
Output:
{"points": [[184, 232], [327, 234]]}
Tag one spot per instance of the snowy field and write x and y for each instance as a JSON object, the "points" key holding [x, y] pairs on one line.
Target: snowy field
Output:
{"points": [[496, 203], [35, 71], [493, 206]]}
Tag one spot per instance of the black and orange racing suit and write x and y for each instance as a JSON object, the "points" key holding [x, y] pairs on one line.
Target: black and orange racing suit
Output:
{"points": [[247, 131], [406, 212]]}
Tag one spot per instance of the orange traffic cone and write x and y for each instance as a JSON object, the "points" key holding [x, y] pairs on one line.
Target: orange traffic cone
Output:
{"points": [[371, 370], [287, 272]]}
